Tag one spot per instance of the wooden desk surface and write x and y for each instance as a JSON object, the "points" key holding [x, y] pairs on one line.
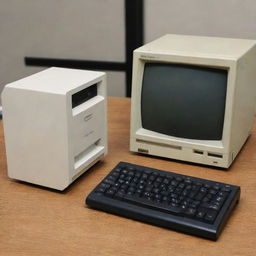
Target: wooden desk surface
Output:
{"points": [[39, 221]]}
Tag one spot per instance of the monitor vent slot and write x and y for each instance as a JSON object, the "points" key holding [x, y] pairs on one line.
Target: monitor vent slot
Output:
{"points": [[199, 152], [159, 144], [215, 155]]}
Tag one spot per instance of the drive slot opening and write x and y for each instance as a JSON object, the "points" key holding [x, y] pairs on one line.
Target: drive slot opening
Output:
{"points": [[87, 154], [199, 152], [84, 95]]}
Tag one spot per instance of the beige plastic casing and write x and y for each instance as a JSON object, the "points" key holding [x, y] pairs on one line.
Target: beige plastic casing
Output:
{"points": [[238, 57], [48, 142]]}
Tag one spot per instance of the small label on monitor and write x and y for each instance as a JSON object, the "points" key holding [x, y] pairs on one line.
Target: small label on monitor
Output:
{"points": [[84, 95], [141, 150]]}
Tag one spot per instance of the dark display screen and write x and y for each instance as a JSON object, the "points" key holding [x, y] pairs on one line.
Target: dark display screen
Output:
{"points": [[184, 101]]}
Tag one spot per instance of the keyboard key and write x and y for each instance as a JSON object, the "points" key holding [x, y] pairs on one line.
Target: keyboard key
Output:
{"points": [[211, 215], [201, 212], [190, 211]]}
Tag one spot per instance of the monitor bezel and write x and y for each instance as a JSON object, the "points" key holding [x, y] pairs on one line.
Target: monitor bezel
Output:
{"points": [[139, 133]]}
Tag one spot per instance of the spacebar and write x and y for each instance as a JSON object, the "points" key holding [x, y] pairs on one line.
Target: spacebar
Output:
{"points": [[151, 205]]}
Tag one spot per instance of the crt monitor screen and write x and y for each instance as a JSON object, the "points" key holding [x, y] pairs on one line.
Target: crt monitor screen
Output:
{"points": [[184, 101]]}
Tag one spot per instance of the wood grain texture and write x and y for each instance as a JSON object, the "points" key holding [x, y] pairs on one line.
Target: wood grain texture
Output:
{"points": [[40, 221]]}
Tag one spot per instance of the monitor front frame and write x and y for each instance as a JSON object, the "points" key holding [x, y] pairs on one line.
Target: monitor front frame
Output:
{"points": [[139, 133]]}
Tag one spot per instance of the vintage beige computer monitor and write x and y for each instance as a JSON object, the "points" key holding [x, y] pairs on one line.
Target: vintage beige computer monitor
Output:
{"points": [[54, 125], [193, 98]]}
